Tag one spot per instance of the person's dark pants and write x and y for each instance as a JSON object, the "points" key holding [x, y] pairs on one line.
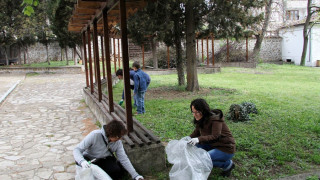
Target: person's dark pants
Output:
{"points": [[111, 166]]}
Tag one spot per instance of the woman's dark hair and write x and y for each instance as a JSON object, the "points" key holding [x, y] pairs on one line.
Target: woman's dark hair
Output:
{"points": [[136, 64], [119, 72], [115, 129], [202, 106]]}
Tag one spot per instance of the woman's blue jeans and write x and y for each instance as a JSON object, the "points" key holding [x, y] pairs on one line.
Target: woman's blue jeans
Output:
{"points": [[219, 159], [140, 102]]}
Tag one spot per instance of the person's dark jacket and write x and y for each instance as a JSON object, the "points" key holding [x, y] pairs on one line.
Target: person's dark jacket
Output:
{"points": [[216, 133], [132, 73]]}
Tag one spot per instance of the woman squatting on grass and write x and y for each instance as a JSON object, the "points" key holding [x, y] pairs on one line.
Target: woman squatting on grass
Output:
{"points": [[213, 135]]}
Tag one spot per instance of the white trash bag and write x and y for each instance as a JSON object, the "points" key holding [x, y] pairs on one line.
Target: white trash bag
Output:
{"points": [[83, 173], [189, 162], [92, 173]]}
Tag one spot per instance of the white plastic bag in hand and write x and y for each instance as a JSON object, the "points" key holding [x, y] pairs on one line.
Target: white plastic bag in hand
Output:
{"points": [[98, 173], [189, 162], [92, 173], [83, 173]]}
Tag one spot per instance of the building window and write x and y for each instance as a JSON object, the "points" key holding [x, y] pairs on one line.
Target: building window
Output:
{"points": [[293, 15]]}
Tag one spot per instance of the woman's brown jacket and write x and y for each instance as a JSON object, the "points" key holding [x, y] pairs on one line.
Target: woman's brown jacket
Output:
{"points": [[216, 133]]}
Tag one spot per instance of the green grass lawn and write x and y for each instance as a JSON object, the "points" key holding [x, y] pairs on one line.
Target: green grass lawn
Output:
{"points": [[52, 64], [282, 139]]}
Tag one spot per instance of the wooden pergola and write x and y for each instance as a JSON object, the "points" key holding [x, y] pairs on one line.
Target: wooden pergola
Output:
{"points": [[101, 17]]}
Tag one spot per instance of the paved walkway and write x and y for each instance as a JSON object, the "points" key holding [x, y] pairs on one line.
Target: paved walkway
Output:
{"points": [[41, 121], [7, 83]]}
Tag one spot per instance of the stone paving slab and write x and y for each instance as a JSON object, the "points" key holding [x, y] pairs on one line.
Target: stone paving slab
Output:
{"points": [[41, 122]]}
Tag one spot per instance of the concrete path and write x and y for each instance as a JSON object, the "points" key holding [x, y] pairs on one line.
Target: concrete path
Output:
{"points": [[41, 121]]}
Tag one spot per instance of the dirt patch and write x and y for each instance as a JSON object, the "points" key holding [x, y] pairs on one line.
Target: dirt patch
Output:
{"points": [[88, 126], [171, 93]]}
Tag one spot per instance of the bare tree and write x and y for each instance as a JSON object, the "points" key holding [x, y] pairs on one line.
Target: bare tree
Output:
{"points": [[260, 36], [306, 26]]}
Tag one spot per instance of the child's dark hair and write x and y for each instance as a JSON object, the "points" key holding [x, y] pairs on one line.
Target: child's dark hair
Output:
{"points": [[115, 129], [136, 64], [119, 72]]}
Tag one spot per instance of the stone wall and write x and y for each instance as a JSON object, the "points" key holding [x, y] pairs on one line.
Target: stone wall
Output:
{"points": [[60, 70], [270, 48], [37, 53]]}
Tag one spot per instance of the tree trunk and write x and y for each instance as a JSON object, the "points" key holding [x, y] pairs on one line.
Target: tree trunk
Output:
{"points": [[192, 76], [47, 54], [259, 37], [177, 42], [27, 56], [61, 53], [66, 49], [154, 53], [6, 55], [74, 55], [305, 35], [24, 55], [19, 54]]}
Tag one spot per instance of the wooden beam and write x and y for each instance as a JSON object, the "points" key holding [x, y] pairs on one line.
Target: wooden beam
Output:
{"points": [[114, 55], [119, 53], [83, 11], [96, 56], [90, 60], [85, 57], [207, 51], [108, 61], [102, 58], [125, 64], [88, 4], [202, 49], [212, 44]]}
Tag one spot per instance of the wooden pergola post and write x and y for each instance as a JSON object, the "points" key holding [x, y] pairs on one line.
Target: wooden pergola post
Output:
{"points": [[202, 49], [125, 64], [212, 44], [102, 57], [168, 56], [85, 57], [90, 60], [119, 53], [96, 58], [114, 55], [108, 59]]}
